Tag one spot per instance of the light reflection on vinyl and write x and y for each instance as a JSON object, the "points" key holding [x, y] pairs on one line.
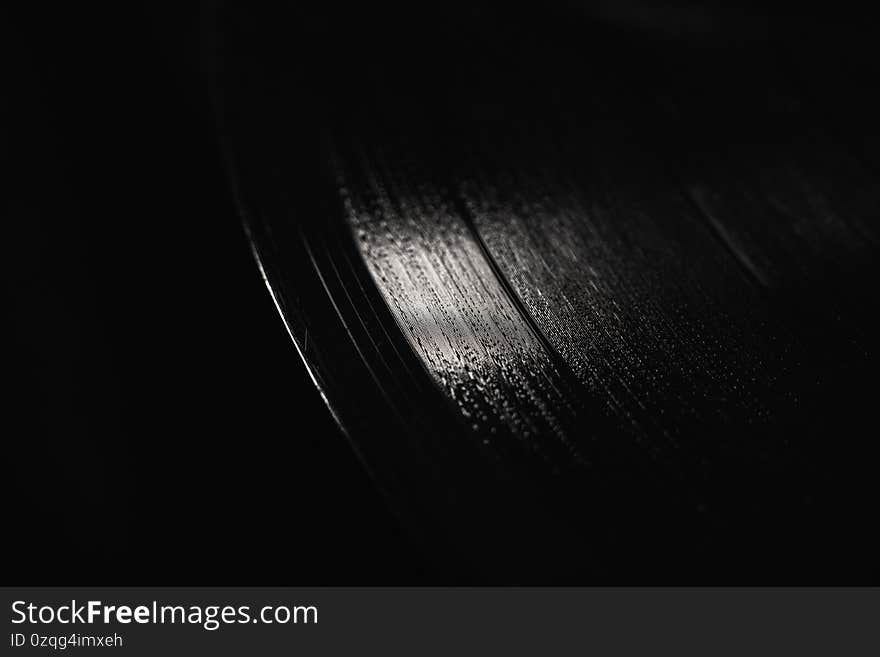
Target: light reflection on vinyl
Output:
{"points": [[450, 305]]}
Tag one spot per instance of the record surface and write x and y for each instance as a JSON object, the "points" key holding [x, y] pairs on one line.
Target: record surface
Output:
{"points": [[589, 304]]}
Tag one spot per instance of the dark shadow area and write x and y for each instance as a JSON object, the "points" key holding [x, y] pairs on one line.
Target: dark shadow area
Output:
{"points": [[162, 428]]}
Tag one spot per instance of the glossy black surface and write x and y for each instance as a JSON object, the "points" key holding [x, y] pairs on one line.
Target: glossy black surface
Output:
{"points": [[593, 305]]}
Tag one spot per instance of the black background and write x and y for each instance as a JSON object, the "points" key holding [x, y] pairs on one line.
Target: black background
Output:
{"points": [[161, 427]]}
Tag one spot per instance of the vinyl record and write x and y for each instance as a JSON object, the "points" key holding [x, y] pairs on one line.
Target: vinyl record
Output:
{"points": [[590, 302]]}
